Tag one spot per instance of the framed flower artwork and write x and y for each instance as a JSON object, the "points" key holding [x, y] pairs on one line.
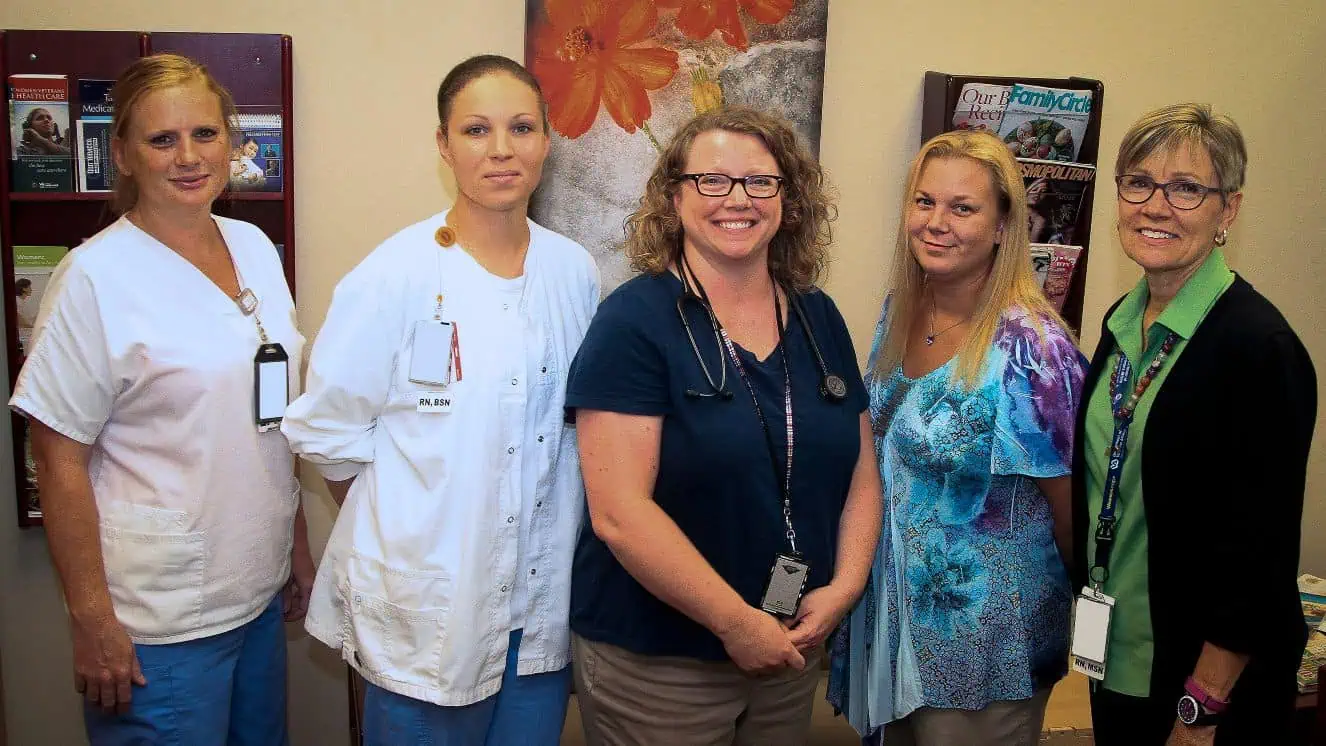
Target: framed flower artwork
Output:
{"points": [[621, 76]]}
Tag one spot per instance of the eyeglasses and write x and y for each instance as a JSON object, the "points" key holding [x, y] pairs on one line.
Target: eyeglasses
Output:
{"points": [[756, 186], [1182, 195]]}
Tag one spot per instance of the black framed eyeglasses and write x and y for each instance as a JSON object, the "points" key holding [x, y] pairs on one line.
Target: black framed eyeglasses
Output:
{"points": [[757, 186], [1182, 195]]}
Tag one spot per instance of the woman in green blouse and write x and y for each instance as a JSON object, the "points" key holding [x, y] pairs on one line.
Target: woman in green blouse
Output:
{"points": [[1191, 459]]}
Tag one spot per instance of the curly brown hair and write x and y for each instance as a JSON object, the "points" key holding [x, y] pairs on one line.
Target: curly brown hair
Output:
{"points": [[798, 252]]}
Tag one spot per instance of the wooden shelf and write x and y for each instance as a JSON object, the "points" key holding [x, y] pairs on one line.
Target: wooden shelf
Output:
{"points": [[105, 196]]}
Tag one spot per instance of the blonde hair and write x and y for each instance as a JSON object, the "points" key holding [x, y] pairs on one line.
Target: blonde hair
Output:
{"points": [[1195, 124], [798, 252], [146, 75], [1011, 282]]}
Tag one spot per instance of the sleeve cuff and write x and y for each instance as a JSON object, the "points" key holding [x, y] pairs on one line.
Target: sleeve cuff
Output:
{"points": [[340, 472]]}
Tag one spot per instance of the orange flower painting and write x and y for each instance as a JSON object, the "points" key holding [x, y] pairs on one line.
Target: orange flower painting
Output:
{"points": [[698, 19], [592, 51], [622, 76]]}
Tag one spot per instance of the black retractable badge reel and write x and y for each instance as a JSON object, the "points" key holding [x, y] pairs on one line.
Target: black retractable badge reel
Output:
{"points": [[271, 371]]}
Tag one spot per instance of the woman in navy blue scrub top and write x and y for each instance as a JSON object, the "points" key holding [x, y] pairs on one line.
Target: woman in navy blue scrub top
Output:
{"points": [[731, 480]]}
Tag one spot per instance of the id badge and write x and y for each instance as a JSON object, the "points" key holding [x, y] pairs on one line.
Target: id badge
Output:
{"points": [[787, 581], [1091, 632], [430, 353], [271, 386]]}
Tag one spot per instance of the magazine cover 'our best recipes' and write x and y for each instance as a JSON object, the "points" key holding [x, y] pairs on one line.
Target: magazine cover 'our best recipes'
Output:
{"points": [[40, 146], [1045, 123], [981, 107]]}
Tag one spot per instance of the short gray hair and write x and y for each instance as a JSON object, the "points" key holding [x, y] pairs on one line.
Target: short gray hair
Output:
{"points": [[1169, 126]]}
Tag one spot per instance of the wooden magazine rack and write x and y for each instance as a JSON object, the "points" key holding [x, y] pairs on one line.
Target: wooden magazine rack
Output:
{"points": [[941, 97], [256, 68]]}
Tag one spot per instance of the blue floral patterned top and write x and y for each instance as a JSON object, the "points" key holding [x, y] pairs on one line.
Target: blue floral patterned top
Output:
{"points": [[968, 600]]}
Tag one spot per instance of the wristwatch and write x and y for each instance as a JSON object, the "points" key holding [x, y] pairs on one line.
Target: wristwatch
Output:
{"points": [[1197, 708]]}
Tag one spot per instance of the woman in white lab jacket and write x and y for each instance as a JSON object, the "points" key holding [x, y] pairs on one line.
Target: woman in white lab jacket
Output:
{"points": [[434, 411], [170, 499]]}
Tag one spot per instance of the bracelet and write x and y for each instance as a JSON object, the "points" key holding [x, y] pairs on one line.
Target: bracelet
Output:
{"points": [[1213, 705]]}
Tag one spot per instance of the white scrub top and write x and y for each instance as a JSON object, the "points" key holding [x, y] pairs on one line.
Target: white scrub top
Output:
{"points": [[415, 588], [138, 354]]}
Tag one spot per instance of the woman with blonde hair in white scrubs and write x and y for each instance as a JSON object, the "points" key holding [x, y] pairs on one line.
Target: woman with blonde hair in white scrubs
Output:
{"points": [[434, 410], [161, 361]]}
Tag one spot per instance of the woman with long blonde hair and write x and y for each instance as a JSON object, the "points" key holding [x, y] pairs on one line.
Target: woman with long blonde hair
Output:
{"points": [[973, 381]]}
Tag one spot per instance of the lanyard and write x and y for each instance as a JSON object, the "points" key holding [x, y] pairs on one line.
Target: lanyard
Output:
{"points": [[786, 477], [1123, 410]]}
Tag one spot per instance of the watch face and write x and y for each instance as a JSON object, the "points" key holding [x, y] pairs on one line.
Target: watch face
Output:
{"points": [[1188, 709]]}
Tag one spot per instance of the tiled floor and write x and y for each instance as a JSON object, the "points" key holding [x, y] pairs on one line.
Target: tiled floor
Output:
{"points": [[1067, 720]]}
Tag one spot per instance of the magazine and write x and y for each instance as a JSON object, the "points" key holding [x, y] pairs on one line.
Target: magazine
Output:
{"points": [[981, 107], [1045, 123], [1055, 195], [96, 167], [1314, 656], [33, 266], [1041, 254], [1059, 269], [257, 157], [1312, 595], [39, 133]]}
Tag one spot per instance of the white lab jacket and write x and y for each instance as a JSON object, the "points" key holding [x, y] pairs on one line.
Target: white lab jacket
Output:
{"points": [[138, 354], [414, 586]]}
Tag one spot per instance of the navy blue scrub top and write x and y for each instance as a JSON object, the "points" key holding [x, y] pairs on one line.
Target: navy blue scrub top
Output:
{"points": [[714, 479]]}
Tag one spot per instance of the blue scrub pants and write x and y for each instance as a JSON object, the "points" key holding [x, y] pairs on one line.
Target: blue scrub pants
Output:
{"points": [[225, 690], [528, 711]]}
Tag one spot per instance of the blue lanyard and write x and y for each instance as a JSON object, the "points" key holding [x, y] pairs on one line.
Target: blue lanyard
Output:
{"points": [[1123, 404]]}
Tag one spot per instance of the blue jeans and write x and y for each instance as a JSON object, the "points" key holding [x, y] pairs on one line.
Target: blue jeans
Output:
{"points": [[527, 711], [225, 690]]}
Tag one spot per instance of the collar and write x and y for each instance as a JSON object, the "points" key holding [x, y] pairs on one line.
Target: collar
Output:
{"points": [[1185, 312]]}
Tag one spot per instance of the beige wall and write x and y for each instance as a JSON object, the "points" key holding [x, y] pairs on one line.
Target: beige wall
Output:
{"points": [[365, 77]]}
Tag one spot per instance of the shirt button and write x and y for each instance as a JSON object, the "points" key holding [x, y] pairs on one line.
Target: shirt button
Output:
{"points": [[533, 571], [512, 449], [538, 504], [544, 369], [510, 519], [540, 438], [504, 589], [514, 381]]}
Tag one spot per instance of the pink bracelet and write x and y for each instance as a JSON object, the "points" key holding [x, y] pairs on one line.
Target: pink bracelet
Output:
{"points": [[1212, 704]]}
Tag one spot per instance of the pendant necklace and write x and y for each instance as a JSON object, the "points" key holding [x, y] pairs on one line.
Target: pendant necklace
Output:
{"points": [[930, 338]]}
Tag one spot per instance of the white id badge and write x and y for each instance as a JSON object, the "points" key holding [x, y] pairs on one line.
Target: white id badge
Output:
{"points": [[271, 386], [436, 402], [430, 353], [1091, 632], [787, 580]]}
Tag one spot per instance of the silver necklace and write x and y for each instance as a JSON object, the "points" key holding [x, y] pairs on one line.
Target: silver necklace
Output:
{"points": [[930, 338]]}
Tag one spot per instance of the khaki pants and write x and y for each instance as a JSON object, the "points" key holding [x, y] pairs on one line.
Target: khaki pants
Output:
{"points": [[628, 699], [1012, 723]]}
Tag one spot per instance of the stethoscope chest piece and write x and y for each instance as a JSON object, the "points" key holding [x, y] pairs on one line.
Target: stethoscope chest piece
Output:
{"points": [[833, 388]]}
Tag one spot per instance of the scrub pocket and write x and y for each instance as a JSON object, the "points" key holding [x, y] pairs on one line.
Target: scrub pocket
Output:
{"points": [[397, 620], [154, 569]]}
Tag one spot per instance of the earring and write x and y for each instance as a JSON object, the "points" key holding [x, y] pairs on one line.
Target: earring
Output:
{"points": [[1222, 237]]}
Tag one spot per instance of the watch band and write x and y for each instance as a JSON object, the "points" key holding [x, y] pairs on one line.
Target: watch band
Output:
{"points": [[1213, 705], [1194, 715]]}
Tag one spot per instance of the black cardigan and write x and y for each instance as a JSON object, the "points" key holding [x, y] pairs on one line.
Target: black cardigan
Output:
{"points": [[1224, 461]]}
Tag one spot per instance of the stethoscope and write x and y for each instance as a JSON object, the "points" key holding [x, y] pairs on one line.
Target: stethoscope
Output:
{"points": [[832, 386]]}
